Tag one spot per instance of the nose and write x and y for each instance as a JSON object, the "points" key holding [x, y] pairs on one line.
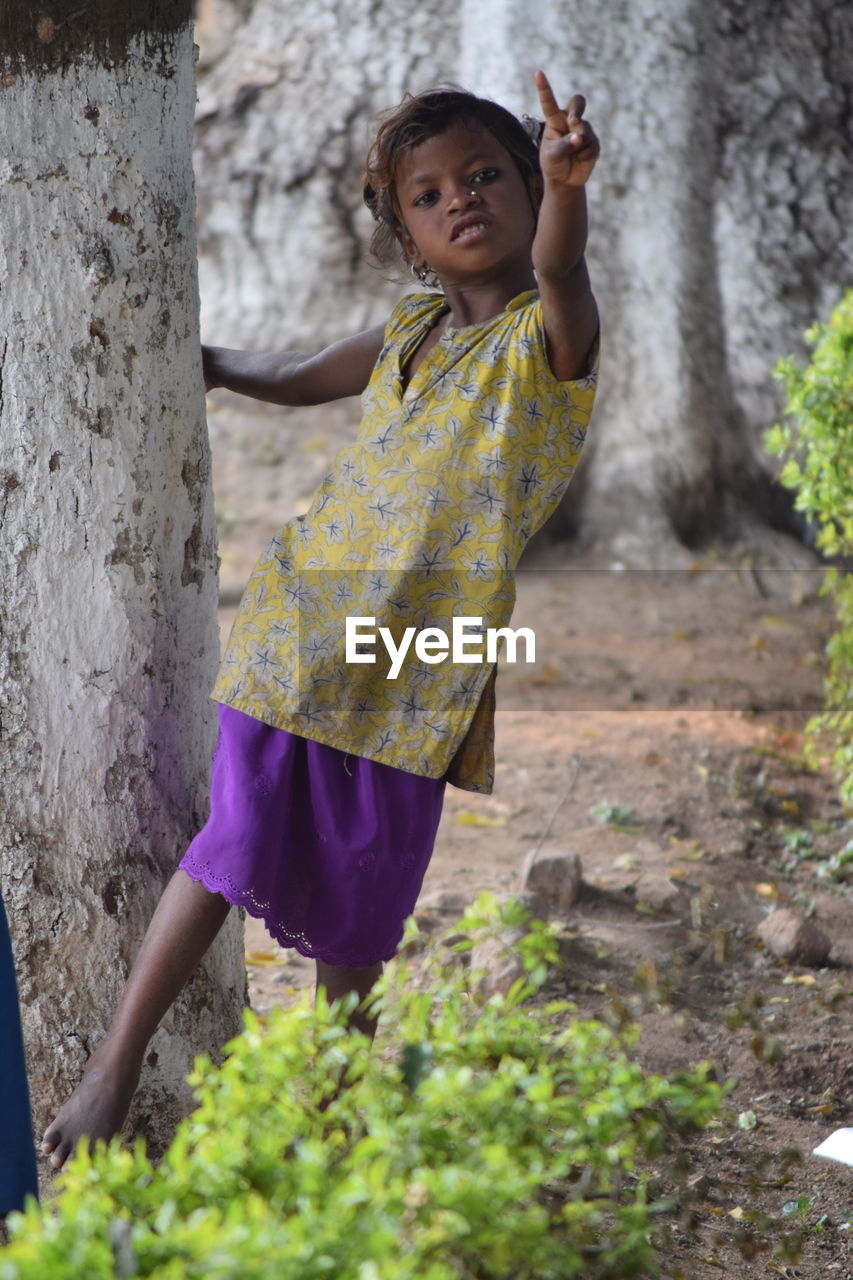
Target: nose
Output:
{"points": [[464, 197]]}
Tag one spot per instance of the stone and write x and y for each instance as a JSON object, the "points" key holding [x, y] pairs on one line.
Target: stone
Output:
{"points": [[447, 900], [498, 965], [659, 892], [789, 936], [554, 877], [699, 1185]]}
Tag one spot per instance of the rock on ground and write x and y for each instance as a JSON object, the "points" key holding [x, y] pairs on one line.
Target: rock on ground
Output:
{"points": [[497, 963], [553, 876], [791, 937]]}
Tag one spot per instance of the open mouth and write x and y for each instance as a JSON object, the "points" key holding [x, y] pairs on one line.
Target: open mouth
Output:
{"points": [[469, 230]]}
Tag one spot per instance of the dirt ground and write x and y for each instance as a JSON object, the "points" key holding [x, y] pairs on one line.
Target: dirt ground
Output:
{"points": [[659, 736]]}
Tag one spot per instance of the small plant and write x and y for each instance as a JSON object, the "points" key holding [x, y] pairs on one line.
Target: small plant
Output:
{"points": [[817, 444], [798, 842], [799, 1210], [619, 817], [481, 1138], [838, 867]]}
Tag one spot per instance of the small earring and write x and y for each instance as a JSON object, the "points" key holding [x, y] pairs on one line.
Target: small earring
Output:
{"points": [[426, 276]]}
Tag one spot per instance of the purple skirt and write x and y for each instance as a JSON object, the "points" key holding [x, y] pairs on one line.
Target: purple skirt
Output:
{"points": [[328, 849]]}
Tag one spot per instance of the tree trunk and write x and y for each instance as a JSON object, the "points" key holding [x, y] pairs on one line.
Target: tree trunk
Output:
{"points": [[717, 210], [107, 559]]}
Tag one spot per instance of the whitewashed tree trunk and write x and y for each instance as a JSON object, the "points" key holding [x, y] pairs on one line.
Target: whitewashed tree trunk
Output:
{"points": [[718, 228], [107, 556]]}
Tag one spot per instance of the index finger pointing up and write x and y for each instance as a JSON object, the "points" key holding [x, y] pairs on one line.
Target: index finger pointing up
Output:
{"points": [[553, 113]]}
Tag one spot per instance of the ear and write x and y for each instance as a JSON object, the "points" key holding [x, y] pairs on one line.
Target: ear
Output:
{"points": [[412, 253]]}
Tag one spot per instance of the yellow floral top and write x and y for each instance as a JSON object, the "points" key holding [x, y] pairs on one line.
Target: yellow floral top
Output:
{"points": [[422, 519]]}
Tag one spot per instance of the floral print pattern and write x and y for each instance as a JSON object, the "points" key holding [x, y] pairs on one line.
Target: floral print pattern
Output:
{"points": [[422, 519]]}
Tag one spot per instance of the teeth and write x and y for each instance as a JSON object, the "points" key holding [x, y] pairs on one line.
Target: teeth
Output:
{"points": [[475, 226]]}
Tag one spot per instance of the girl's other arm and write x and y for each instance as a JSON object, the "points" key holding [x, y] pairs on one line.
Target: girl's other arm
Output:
{"points": [[292, 378], [567, 154]]}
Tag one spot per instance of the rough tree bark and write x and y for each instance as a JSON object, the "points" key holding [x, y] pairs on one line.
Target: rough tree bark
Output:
{"points": [[717, 210], [107, 556]]}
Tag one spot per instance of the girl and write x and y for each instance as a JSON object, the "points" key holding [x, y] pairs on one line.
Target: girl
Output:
{"points": [[328, 779]]}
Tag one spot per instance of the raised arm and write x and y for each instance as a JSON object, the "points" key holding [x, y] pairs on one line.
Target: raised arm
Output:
{"points": [[292, 378], [567, 155]]}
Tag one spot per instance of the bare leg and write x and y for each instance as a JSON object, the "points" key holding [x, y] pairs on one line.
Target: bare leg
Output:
{"points": [[187, 919], [339, 981]]}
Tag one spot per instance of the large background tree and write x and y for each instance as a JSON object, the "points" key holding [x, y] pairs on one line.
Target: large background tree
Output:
{"points": [[107, 558], [718, 208]]}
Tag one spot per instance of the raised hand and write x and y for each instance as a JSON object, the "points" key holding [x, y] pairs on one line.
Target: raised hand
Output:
{"points": [[569, 148]]}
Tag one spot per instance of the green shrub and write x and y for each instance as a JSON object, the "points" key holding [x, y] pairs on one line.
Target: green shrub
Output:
{"points": [[480, 1138], [817, 443]]}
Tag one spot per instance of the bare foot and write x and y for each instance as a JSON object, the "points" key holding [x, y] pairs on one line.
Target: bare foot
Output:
{"points": [[96, 1109]]}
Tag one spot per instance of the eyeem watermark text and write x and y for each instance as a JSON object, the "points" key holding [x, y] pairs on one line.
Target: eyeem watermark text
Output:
{"points": [[468, 643]]}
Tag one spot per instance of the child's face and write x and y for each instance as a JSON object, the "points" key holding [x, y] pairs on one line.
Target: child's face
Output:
{"points": [[465, 208]]}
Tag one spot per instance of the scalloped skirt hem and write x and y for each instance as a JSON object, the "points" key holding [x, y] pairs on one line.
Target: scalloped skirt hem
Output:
{"points": [[277, 931], [329, 850]]}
